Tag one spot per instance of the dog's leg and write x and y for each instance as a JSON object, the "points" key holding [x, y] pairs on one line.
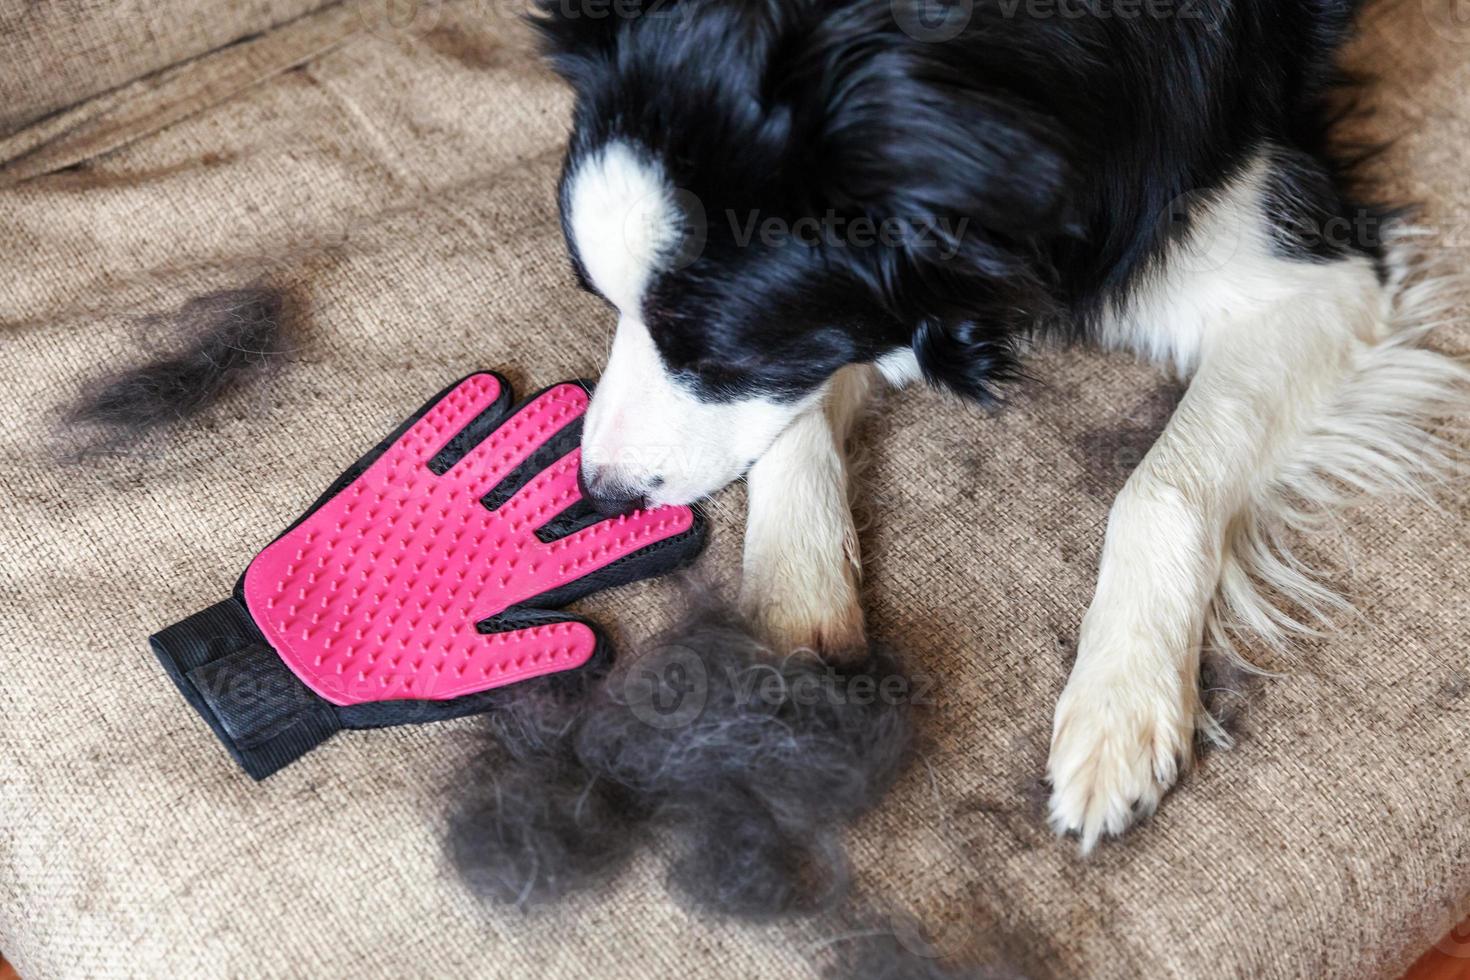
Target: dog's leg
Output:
{"points": [[1125, 723], [802, 566], [1307, 382]]}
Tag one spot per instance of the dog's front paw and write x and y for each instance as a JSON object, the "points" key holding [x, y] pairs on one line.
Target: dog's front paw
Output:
{"points": [[1119, 742], [803, 592]]}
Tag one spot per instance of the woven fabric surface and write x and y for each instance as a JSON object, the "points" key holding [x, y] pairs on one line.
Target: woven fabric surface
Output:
{"points": [[401, 187], [62, 52]]}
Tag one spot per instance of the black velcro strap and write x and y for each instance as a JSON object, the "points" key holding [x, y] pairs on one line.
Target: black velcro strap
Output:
{"points": [[260, 710], [254, 695]]}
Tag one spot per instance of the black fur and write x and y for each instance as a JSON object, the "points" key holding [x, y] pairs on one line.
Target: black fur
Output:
{"points": [[778, 755], [752, 763], [530, 824], [1048, 153], [219, 339]]}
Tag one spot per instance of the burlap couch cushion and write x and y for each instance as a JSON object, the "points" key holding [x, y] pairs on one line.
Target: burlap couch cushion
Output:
{"points": [[402, 186], [63, 51]]}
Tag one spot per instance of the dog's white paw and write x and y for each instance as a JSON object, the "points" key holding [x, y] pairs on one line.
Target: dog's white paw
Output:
{"points": [[804, 593], [802, 565], [1120, 740]]}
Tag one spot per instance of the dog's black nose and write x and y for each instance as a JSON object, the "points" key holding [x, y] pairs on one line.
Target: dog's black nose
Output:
{"points": [[608, 495]]}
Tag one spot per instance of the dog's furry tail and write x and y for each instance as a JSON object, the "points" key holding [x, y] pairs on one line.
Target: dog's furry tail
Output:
{"points": [[1393, 427]]}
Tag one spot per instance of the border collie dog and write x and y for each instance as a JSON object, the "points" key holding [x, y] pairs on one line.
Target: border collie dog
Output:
{"points": [[790, 202]]}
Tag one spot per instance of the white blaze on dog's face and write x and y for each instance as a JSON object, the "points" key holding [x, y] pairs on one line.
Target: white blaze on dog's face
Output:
{"points": [[649, 435]]}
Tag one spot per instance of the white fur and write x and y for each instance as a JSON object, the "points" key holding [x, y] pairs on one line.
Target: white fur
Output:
{"points": [[802, 562], [623, 221], [1306, 385], [644, 430], [1375, 436], [1224, 269], [899, 368]]}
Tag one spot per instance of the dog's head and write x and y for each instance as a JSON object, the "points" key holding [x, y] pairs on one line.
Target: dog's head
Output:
{"points": [[765, 192]]}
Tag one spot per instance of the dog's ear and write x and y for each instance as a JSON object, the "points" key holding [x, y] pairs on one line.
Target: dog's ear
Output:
{"points": [[977, 182], [973, 358], [577, 39], [910, 136]]}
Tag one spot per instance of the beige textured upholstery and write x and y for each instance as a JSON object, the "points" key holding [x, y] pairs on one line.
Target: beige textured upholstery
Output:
{"points": [[401, 182], [63, 51]]}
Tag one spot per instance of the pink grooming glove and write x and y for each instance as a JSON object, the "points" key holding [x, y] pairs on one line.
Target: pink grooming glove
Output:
{"points": [[419, 586]]}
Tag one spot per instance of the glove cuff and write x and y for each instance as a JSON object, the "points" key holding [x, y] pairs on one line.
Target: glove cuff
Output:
{"points": [[257, 707]]}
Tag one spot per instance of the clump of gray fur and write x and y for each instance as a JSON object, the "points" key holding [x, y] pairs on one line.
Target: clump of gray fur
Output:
{"points": [[220, 338], [753, 762], [530, 824]]}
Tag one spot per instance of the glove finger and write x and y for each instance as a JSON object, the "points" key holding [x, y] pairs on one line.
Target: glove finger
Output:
{"points": [[497, 653], [619, 550], [507, 649], [480, 415], [510, 452], [454, 422], [549, 502], [532, 661], [548, 456], [547, 492], [581, 552]]}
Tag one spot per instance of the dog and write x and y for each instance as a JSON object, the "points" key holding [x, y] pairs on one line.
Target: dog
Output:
{"points": [[789, 203]]}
